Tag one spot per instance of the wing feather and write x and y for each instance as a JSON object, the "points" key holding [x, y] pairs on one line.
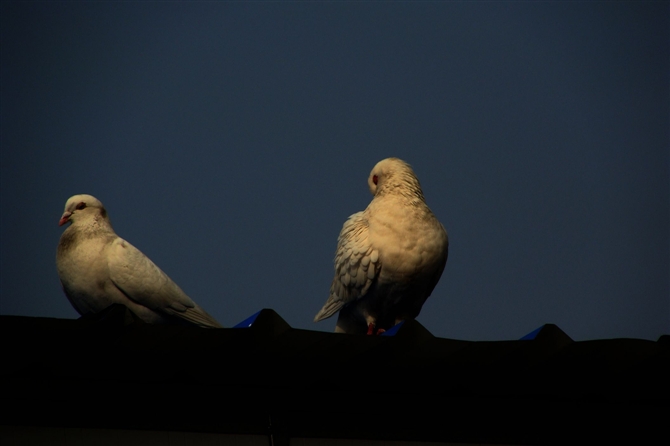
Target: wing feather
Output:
{"points": [[145, 283], [356, 266]]}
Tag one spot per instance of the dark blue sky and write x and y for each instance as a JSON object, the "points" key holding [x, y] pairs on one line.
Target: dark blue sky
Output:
{"points": [[230, 142]]}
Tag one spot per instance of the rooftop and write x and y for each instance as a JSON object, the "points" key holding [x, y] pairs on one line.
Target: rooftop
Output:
{"points": [[264, 377]]}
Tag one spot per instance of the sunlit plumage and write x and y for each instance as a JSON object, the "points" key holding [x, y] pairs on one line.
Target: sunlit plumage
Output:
{"points": [[97, 268], [389, 257]]}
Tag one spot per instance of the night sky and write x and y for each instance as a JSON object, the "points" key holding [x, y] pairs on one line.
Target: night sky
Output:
{"points": [[230, 141]]}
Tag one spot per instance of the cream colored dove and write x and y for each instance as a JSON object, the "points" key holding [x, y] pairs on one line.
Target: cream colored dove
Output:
{"points": [[389, 257], [97, 268]]}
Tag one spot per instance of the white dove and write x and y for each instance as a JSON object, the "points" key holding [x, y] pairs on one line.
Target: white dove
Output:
{"points": [[97, 268], [389, 257]]}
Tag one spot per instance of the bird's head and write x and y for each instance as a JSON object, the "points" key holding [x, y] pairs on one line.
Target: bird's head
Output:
{"points": [[79, 206], [394, 175]]}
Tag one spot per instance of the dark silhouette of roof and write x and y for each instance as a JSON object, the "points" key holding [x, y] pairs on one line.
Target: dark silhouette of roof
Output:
{"points": [[263, 377]]}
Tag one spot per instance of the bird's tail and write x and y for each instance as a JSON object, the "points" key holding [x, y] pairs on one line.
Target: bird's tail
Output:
{"points": [[332, 306]]}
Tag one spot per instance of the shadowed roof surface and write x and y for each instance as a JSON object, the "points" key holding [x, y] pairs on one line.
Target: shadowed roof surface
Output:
{"points": [[271, 378]]}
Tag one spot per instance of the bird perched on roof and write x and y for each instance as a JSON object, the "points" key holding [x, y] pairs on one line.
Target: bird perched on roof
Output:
{"points": [[389, 257], [97, 268]]}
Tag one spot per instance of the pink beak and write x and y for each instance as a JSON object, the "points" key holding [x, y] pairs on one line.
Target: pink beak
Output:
{"points": [[65, 218]]}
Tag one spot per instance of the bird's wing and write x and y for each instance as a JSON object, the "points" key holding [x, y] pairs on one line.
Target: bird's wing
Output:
{"points": [[145, 283], [356, 266]]}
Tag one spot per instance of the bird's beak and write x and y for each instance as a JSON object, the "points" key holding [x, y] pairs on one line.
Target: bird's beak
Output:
{"points": [[65, 218]]}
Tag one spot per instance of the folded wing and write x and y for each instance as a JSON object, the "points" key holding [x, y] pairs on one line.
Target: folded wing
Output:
{"points": [[145, 283], [356, 266]]}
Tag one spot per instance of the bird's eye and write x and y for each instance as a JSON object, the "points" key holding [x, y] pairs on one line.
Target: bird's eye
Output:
{"points": [[375, 179], [81, 205]]}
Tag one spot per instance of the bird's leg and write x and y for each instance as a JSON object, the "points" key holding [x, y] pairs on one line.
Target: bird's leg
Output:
{"points": [[372, 331]]}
